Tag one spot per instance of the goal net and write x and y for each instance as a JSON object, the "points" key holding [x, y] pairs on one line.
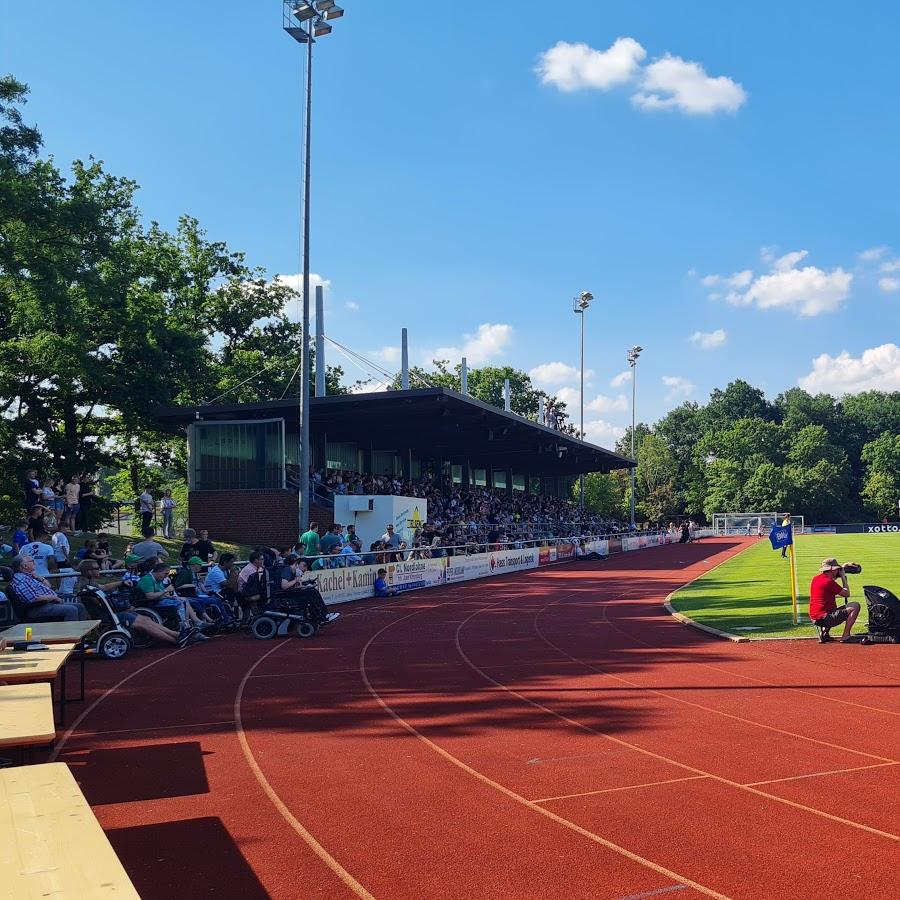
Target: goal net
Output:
{"points": [[754, 524]]}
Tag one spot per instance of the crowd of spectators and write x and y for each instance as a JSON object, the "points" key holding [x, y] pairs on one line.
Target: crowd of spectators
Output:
{"points": [[472, 513]]}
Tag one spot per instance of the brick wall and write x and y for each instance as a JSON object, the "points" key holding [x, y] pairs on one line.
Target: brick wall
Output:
{"points": [[267, 518]]}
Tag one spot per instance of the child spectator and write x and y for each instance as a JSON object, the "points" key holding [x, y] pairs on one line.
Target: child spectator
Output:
{"points": [[381, 585], [20, 535]]}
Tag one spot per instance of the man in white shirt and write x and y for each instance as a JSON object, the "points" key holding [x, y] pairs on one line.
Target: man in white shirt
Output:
{"points": [[42, 553], [148, 504], [390, 537], [61, 548]]}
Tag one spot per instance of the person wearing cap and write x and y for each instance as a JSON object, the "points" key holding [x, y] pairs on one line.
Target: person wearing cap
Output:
{"points": [[159, 592], [189, 576], [823, 609]]}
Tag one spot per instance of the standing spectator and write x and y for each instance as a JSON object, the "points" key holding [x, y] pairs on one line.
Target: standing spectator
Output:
{"points": [[48, 495], [72, 492], [332, 538], [85, 501], [168, 504], [41, 600], [147, 507], [31, 489], [204, 547], [390, 538], [310, 541], [189, 547], [40, 553], [36, 520], [148, 548], [61, 548]]}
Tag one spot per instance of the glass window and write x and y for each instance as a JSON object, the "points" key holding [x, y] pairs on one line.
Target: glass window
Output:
{"points": [[518, 481], [500, 479], [479, 477], [384, 462], [456, 474], [342, 456], [237, 455]]}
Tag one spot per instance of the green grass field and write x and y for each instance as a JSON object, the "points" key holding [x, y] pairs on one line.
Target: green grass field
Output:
{"points": [[750, 593]]}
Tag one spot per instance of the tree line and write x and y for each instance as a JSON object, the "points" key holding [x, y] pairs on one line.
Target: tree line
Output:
{"points": [[828, 459]]}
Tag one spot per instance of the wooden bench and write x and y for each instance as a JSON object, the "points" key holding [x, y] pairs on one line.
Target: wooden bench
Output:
{"points": [[51, 845], [26, 716]]}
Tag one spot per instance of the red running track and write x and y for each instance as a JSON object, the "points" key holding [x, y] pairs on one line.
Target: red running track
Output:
{"points": [[547, 734]]}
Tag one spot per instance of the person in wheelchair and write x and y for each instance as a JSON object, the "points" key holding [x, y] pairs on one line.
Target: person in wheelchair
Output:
{"points": [[289, 582], [89, 569], [190, 584], [159, 593]]}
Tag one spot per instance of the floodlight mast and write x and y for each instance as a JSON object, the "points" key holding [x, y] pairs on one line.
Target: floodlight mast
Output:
{"points": [[632, 357], [579, 306], [305, 21]]}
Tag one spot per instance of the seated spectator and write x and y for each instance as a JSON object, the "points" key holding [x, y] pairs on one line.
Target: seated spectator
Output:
{"points": [[148, 548], [189, 547], [219, 575], [138, 624], [252, 581], [20, 535], [159, 593], [380, 585], [40, 600], [204, 547], [351, 553]]}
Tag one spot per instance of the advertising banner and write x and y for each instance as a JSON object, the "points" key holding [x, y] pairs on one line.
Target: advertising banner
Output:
{"points": [[631, 543], [546, 556], [565, 551], [465, 568], [341, 585], [416, 573], [597, 546], [614, 544], [503, 561]]}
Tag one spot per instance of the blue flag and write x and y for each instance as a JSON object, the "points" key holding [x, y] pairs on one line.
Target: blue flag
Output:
{"points": [[781, 536]]}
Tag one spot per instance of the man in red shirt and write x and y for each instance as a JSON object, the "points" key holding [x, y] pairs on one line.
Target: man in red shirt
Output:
{"points": [[823, 610]]}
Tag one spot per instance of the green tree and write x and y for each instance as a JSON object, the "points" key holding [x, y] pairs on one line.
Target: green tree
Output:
{"points": [[655, 476], [602, 494], [881, 490]]}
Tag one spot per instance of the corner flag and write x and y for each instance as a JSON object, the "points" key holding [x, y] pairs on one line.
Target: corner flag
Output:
{"points": [[781, 536]]}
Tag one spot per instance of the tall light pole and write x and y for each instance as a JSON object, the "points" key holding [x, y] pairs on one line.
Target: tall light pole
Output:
{"points": [[304, 21], [579, 305], [633, 355]]}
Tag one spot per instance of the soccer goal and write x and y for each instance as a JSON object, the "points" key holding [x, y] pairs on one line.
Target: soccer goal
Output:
{"points": [[753, 524]]}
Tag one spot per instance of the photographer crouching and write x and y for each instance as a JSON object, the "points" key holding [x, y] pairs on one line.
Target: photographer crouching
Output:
{"points": [[823, 609]]}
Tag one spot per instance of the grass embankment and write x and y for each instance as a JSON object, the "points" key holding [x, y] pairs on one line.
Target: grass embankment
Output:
{"points": [[750, 593]]}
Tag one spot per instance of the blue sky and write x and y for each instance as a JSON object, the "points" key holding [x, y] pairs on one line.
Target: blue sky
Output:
{"points": [[471, 175]]}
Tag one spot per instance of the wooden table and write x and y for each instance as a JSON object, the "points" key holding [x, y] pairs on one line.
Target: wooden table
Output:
{"points": [[51, 632], [29, 666], [51, 845], [26, 715], [55, 633]]}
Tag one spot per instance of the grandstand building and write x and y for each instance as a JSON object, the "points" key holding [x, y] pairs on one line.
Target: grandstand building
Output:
{"points": [[243, 472]]}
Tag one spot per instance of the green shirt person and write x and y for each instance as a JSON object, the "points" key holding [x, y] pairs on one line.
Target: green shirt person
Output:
{"points": [[310, 540]]}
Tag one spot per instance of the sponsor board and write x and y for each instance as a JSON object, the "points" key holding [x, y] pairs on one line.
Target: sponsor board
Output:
{"points": [[342, 585], [614, 544], [631, 543], [878, 528], [546, 556], [565, 551], [868, 528], [416, 573], [503, 561], [465, 568], [597, 546]]}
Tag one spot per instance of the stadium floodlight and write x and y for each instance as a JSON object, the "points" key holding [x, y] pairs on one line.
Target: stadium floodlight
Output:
{"points": [[302, 11], [312, 18], [632, 358], [579, 305]]}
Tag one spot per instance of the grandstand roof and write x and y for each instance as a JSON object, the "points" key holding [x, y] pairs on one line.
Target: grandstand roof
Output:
{"points": [[428, 421]]}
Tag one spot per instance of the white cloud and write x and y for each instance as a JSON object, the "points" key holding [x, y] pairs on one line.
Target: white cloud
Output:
{"points": [[352, 305], [877, 369], [486, 346], [601, 403], [553, 373], [602, 433], [572, 67], [789, 260], [889, 285], [873, 254], [809, 291], [667, 83], [621, 379], [678, 386], [388, 355], [892, 265], [293, 306], [675, 83], [368, 387], [709, 340]]}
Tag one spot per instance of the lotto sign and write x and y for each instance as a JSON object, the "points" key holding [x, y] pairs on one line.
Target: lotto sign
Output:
{"points": [[882, 528]]}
